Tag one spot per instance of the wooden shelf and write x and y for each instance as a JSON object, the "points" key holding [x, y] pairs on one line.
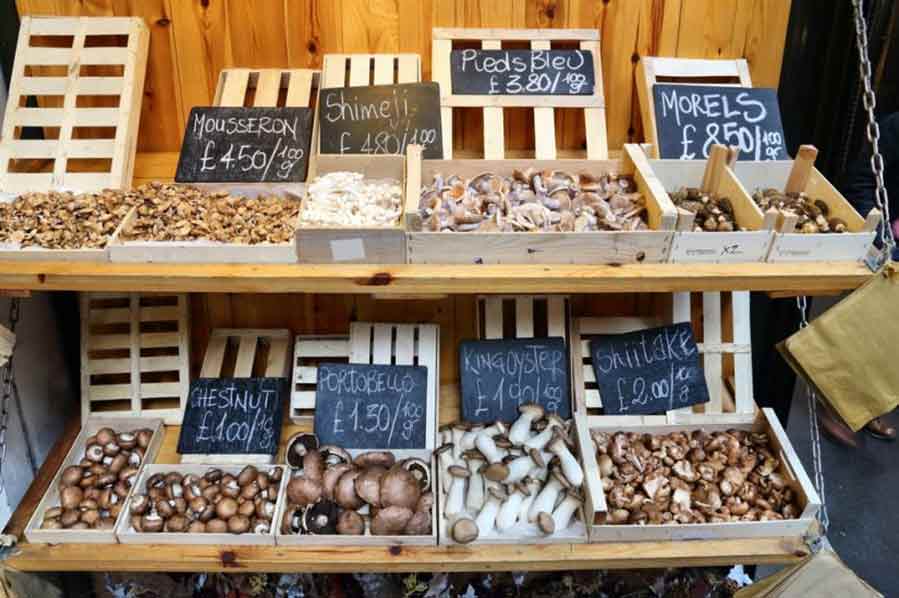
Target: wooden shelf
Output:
{"points": [[86, 557], [785, 279]]}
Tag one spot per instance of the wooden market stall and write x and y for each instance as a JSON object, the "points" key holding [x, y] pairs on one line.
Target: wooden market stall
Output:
{"points": [[191, 42]]}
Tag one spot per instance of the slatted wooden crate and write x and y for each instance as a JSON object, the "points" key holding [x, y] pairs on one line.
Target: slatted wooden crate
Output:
{"points": [[367, 343], [544, 106], [134, 355], [715, 176], [522, 316], [687, 71], [244, 353], [801, 175], [33, 531], [595, 247], [88, 94], [126, 534]]}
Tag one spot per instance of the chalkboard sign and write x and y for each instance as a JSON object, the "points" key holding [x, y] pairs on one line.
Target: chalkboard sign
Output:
{"points": [[371, 406], [245, 145], [522, 72], [692, 118], [233, 416], [381, 119], [648, 371], [498, 376]]}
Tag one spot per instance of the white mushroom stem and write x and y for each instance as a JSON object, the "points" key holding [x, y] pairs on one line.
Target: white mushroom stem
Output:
{"points": [[456, 439], [570, 467], [520, 467], [467, 439], [486, 519], [496, 429], [445, 459], [474, 499], [562, 514], [540, 440], [484, 442], [534, 487], [455, 496], [508, 512], [521, 429], [546, 500]]}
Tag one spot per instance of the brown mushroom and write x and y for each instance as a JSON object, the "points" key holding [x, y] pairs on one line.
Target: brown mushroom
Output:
{"points": [[216, 526], [391, 520], [368, 485], [399, 488], [303, 491], [330, 477], [464, 530], [383, 459], [345, 491], [350, 523], [238, 524]]}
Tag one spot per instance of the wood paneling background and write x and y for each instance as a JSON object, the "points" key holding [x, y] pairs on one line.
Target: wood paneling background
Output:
{"points": [[192, 40]]}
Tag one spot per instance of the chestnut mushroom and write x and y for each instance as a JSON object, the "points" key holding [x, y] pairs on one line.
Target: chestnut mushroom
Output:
{"points": [[399, 488]]}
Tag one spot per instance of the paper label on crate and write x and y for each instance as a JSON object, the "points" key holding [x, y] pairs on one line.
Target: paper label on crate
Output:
{"points": [[692, 118], [648, 371], [498, 376], [346, 250], [368, 406], [522, 72]]}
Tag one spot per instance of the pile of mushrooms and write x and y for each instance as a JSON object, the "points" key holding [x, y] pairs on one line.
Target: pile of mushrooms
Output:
{"points": [[712, 212], [692, 477], [216, 502], [374, 493], [519, 479], [91, 493], [813, 215]]}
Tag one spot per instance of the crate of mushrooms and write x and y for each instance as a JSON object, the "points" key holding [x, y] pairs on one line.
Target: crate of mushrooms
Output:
{"points": [[717, 220], [87, 497], [352, 211], [511, 483], [240, 224], [203, 504], [337, 496], [815, 222], [61, 225], [536, 211], [731, 476]]}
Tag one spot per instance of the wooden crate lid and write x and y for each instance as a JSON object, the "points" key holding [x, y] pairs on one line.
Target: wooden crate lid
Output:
{"points": [[544, 106], [43, 49], [266, 84], [260, 352]]}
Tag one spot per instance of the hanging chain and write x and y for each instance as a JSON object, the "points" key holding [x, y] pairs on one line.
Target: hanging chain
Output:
{"points": [[814, 430], [9, 382], [873, 129]]}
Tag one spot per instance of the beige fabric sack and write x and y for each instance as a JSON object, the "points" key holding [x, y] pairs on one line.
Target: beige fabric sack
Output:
{"points": [[822, 574]]}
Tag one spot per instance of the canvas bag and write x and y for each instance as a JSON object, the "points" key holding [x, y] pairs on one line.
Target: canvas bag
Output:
{"points": [[821, 574], [850, 353]]}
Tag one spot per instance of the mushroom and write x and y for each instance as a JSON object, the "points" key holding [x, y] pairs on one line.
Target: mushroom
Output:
{"points": [[419, 524], [350, 523], [464, 530], [303, 491], [474, 498], [390, 521], [562, 513], [508, 512], [297, 447], [445, 457], [516, 469], [456, 493], [539, 441], [520, 431], [333, 454], [320, 518], [383, 459], [420, 470], [368, 485], [546, 499], [486, 518], [345, 490], [399, 488], [313, 466], [533, 485], [570, 467], [485, 443]]}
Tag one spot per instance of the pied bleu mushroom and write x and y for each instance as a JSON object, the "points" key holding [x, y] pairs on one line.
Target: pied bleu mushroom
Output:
{"points": [[562, 514], [570, 467], [521, 429], [515, 470], [456, 495], [508, 512], [486, 519], [474, 498], [539, 441], [546, 499], [533, 485]]}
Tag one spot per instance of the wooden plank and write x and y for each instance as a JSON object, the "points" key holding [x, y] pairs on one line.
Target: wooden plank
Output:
{"points": [[299, 88], [743, 391], [408, 68], [360, 342], [246, 353], [494, 130], [711, 334], [278, 357], [440, 65], [268, 86], [545, 120], [383, 69], [493, 318], [524, 317], [382, 344], [405, 345], [234, 90], [214, 357], [556, 308], [360, 69]]}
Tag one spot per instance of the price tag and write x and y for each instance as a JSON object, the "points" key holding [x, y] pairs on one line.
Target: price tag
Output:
{"points": [[522, 72]]}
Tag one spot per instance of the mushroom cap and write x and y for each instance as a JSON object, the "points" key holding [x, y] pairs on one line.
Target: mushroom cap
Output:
{"points": [[533, 410], [555, 419], [297, 446], [497, 492], [501, 426], [458, 471], [537, 457], [303, 491], [390, 521], [446, 446], [333, 454], [400, 488], [420, 470], [474, 455], [496, 472], [225, 508], [239, 524], [465, 530], [330, 477], [247, 475], [425, 502], [383, 459], [345, 490], [350, 523], [546, 523], [368, 485], [321, 518], [314, 465], [503, 442], [419, 524]]}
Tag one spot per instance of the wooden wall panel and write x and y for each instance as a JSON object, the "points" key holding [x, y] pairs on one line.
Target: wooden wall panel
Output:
{"points": [[192, 40]]}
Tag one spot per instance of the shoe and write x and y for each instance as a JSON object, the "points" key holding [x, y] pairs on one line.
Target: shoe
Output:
{"points": [[835, 429], [881, 430]]}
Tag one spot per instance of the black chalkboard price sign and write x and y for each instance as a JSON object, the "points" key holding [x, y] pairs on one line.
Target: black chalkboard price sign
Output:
{"points": [[498, 376], [692, 118], [371, 406], [245, 145], [648, 371], [233, 416], [381, 119], [522, 72]]}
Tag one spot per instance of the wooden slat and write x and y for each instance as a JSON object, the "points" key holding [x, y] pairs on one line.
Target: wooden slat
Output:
{"points": [[493, 318], [322, 348], [409, 70], [47, 148], [109, 392], [360, 342], [153, 340], [405, 345], [246, 353], [711, 333], [96, 342], [60, 85], [360, 69], [383, 69], [743, 387], [268, 86], [555, 313], [440, 64], [334, 70], [382, 344], [167, 363], [214, 358], [544, 121], [156, 390], [496, 33], [109, 366], [278, 359], [524, 317], [299, 89], [159, 313], [234, 90], [494, 129]]}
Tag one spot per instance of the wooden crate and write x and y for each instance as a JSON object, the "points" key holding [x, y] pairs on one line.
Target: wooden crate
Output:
{"points": [[764, 421], [127, 535], [650, 246], [525, 316], [715, 176], [725, 396], [244, 353], [134, 355], [359, 245], [367, 343], [368, 539], [59, 76], [801, 175], [687, 71], [544, 106], [50, 499]]}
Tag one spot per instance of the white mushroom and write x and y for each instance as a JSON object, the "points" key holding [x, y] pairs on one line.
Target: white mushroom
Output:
{"points": [[466, 441], [521, 429], [508, 512], [457, 432], [562, 514], [485, 443], [456, 494], [540, 440], [474, 499], [516, 469], [486, 519], [570, 467], [546, 499], [533, 487]]}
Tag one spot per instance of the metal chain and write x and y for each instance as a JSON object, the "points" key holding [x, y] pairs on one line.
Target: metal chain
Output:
{"points": [[814, 430], [9, 381], [873, 129]]}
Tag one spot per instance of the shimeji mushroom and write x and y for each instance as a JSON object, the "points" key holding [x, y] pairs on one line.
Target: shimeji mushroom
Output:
{"points": [[570, 467], [486, 519], [474, 498], [508, 512], [562, 513], [456, 495], [521, 429], [540, 440], [546, 499]]}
